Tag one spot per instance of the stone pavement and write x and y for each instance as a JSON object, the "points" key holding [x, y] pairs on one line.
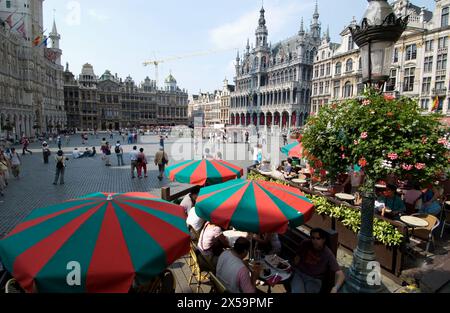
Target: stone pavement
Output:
{"points": [[34, 189]]}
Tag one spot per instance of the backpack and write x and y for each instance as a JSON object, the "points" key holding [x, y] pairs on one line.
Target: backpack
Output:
{"points": [[117, 149], [59, 164]]}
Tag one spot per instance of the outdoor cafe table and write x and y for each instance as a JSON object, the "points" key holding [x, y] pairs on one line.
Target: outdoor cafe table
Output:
{"points": [[274, 272], [413, 222], [299, 181], [345, 197]]}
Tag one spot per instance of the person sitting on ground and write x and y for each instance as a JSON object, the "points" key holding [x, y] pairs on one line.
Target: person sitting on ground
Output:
{"points": [[313, 261], [269, 243], [87, 153], [76, 153], [393, 203], [212, 242], [189, 200], [233, 272]]}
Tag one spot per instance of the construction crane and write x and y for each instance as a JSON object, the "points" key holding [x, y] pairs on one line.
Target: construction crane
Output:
{"points": [[195, 54]]}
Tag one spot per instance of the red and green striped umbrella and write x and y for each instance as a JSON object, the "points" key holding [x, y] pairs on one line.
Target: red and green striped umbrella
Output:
{"points": [[109, 239], [254, 206], [200, 172], [294, 149]]}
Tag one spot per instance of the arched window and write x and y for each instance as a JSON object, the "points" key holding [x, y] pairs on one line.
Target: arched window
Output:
{"points": [[349, 65], [348, 90], [338, 68]]}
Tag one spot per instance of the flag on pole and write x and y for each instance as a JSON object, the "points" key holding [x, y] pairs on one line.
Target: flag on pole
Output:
{"points": [[44, 42], [435, 104], [9, 19], [21, 30]]}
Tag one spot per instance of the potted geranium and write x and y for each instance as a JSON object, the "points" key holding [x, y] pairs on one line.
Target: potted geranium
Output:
{"points": [[295, 133], [384, 136]]}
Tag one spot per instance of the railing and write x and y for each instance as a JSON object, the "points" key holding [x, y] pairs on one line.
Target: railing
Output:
{"points": [[439, 91]]}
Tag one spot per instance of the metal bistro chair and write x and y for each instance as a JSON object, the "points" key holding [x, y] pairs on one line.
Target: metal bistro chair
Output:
{"points": [[216, 284], [200, 274], [12, 286], [163, 283], [445, 218], [426, 233]]}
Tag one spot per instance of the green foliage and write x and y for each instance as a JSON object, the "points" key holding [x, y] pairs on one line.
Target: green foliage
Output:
{"points": [[383, 231], [377, 131]]}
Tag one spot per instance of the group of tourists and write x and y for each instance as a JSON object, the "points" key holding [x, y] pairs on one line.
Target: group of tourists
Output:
{"points": [[10, 162]]}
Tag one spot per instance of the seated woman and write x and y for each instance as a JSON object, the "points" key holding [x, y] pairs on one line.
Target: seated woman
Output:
{"points": [[430, 200], [212, 242], [269, 243], [94, 152], [288, 170], [392, 203]]}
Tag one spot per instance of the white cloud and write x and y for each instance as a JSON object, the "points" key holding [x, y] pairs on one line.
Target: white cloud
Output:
{"points": [[278, 17], [98, 16]]}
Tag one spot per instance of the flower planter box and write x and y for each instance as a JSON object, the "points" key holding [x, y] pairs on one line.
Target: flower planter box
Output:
{"points": [[294, 136], [389, 257], [321, 221]]}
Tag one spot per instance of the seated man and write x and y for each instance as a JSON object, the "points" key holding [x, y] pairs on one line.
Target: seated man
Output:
{"points": [[431, 200], [189, 200], [233, 272], [76, 153], [86, 153], [93, 153], [194, 221], [287, 170], [313, 261], [212, 242], [392, 203]]}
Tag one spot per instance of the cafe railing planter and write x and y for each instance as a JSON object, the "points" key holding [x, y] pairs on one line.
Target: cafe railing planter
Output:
{"points": [[331, 213]]}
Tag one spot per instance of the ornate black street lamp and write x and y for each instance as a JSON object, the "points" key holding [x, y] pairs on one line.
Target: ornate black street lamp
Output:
{"points": [[376, 37]]}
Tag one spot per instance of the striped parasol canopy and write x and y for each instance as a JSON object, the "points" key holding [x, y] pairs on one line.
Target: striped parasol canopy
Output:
{"points": [[97, 243], [254, 206], [201, 172], [294, 149]]}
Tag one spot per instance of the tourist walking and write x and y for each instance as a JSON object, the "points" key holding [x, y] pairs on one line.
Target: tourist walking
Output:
{"points": [[107, 154], [15, 163], [45, 152], [58, 141], [60, 160], [119, 154], [4, 172], [133, 161], [25, 143], [141, 163], [161, 160], [161, 141], [67, 137]]}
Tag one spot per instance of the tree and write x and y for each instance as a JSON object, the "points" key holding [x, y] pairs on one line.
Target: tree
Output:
{"points": [[385, 136]]}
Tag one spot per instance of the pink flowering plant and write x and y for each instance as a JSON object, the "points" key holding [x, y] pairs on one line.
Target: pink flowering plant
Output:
{"points": [[392, 137]]}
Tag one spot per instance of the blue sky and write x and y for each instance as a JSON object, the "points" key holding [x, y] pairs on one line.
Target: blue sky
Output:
{"points": [[119, 35]]}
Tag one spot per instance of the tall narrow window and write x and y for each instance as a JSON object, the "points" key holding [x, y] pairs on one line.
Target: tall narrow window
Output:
{"points": [[444, 17], [351, 43], [348, 90], [336, 89], [428, 65], [443, 42], [441, 63], [328, 71], [395, 55], [349, 65], [426, 83], [411, 52], [409, 79], [390, 86], [338, 68]]}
